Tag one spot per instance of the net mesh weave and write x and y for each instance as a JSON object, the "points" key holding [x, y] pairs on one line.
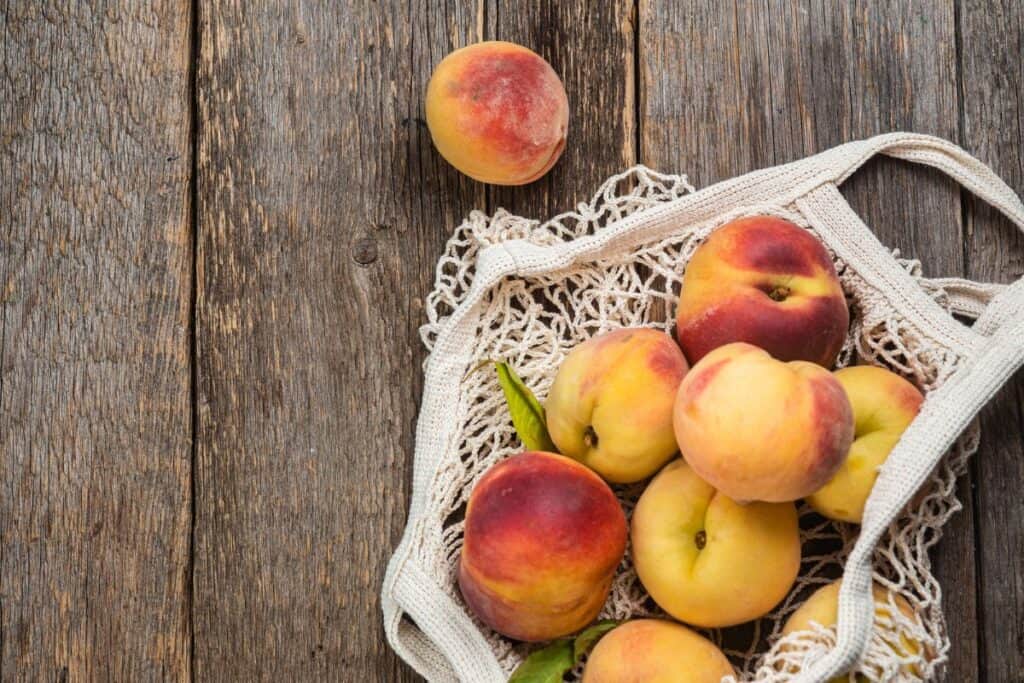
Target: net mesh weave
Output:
{"points": [[532, 323]]}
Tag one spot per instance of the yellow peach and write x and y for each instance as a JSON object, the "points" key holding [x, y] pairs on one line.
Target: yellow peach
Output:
{"points": [[822, 608], [767, 282], [543, 536], [497, 112], [694, 550], [655, 651], [884, 404], [610, 406], [757, 428]]}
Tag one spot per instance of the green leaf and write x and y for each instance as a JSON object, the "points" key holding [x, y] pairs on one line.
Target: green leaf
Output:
{"points": [[527, 412], [589, 637], [547, 665], [551, 663]]}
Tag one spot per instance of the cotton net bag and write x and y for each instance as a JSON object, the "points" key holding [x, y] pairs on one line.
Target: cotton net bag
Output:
{"points": [[513, 289]]}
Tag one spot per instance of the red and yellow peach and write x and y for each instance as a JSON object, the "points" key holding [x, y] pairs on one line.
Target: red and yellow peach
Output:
{"points": [[655, 651], [756, 428], [767, 282], [497, 112], [543, 536], [610, 406]]}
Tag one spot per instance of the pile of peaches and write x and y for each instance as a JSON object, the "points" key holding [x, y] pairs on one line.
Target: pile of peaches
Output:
{"points": [[733, 421]]}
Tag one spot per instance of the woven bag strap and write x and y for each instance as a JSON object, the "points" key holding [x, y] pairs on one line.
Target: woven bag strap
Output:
{"points": [[966, 298], [956, 162], [993, 356], [854, 242], [941, 154]]}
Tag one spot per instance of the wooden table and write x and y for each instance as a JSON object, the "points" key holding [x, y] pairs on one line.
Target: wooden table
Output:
{"points": [[218, 222]]}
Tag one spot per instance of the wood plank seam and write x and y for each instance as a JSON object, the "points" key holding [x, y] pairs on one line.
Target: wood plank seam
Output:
{"points": [[972, 475], [193, 93]]}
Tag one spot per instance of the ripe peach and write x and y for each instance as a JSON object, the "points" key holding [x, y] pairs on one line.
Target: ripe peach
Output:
{"points": [[757, 428], [542, 538], [708, 560], [497, 112], [884, 404], [765, 281], [655, 651], [610, 406], [823, 608]]}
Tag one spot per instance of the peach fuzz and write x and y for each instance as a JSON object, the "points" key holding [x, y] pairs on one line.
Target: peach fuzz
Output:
{"points": [[765, 281], [610, 406], [757, 428], [822, 608], [543, 536], [708, 560], [497, 112], [655, 651], [884, 404]]}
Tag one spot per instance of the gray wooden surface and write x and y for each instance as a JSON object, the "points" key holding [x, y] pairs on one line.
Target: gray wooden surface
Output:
{"points": [[218, 221], [96, 266]]}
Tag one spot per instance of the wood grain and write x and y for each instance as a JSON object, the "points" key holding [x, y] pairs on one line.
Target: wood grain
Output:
{"points": [[323, 210], [728, 88], [95, 291], [991, 44]]}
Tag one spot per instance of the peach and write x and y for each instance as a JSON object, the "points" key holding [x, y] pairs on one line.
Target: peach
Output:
{"points": [[822, 608], [497, 112], [543, 536], [706, 559], [655, 651], [757, 428], [764, 281], [610, 406], [884, 404]]}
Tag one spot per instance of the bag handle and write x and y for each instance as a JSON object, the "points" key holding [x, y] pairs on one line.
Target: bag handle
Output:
{"points": [[948, 409], [966, 297], [840, 162], [940, 154]]}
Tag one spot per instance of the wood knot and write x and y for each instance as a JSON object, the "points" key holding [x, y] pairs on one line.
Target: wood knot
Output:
{"points": [[364, 251]]}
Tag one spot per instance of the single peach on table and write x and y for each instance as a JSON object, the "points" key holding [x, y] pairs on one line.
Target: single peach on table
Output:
{"points": [[497, 112], [822, 608], [543, 536], [708, 560], [757, 428], [884, 404], [655, 651], [765, 281], [610, 406]]}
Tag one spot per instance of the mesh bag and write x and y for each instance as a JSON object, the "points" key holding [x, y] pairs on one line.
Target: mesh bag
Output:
{"points": [[526, 292]]}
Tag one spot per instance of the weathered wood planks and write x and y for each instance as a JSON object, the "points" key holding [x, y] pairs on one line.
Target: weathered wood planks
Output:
{"points": [[322, 210], [992, 102], [95, 292]]}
